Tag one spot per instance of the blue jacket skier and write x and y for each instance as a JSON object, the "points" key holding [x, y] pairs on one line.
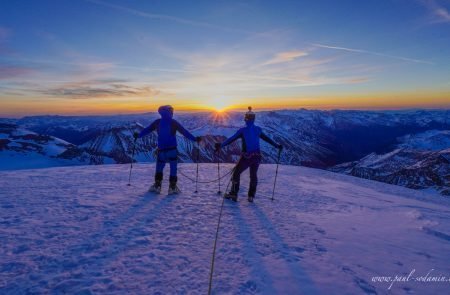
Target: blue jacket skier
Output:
{"points": [[166, 127], [251, 154]]}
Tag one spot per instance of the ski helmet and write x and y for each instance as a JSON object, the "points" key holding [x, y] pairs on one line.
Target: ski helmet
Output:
{"points": [[249, 116], [166, 111]]}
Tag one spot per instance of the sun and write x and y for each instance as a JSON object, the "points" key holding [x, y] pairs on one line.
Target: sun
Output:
{"points": [[219, 104]]}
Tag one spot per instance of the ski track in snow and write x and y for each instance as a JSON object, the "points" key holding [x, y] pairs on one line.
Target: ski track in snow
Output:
{"points": [[81, 230]]}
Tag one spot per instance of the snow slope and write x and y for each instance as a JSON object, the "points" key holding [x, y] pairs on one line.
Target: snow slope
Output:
{"points": [[24, 149], [417, 169], [431, 140], [81, 230]]}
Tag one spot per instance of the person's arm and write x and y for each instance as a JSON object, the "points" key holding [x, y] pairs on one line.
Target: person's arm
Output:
{"points": [[269, 140], [183, 131], [233, 138], [149, 129]]}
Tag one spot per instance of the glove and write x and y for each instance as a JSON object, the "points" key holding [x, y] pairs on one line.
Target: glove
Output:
{"points": [[280, 147], [136, 135], [198, 139], [217, 146]]}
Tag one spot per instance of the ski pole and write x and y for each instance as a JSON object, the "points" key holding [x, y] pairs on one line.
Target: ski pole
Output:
{"points": [[218, 171], [132, 160], [276, 173], [198, 159]]}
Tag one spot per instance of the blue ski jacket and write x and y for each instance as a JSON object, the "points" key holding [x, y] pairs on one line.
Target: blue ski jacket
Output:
{"points": [[167, 128], [250, 135]]}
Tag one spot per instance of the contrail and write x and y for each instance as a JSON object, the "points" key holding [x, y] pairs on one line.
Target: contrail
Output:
{"points": [[372, 53], [166, 17]]}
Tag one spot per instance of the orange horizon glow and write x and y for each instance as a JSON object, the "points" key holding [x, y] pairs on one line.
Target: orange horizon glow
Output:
{"points": [[374, 101]]}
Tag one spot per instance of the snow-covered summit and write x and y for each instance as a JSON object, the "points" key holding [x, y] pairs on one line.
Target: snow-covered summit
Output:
{"points": [[419, 161], [431, 140], [82, 230], [21, 148]]}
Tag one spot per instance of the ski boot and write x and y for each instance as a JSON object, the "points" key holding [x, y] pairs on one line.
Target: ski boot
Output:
{"points": [[233, 192], [231, 195], [252, 190], [173, 188], [156, 187]]}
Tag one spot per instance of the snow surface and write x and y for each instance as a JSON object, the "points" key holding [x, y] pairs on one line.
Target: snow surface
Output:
{"points": [[26, 149], [431, 140], [12, 160], [81, 230]]}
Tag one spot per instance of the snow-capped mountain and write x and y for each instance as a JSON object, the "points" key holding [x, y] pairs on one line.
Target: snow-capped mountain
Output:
{"points": [[420, 161], [310, 137], [116, 145], [82, 230], [432, 140], [21, 148]]}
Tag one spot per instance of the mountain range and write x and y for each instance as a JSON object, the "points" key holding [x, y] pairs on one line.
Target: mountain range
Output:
{"points": [[420, 161], [359, 143]]}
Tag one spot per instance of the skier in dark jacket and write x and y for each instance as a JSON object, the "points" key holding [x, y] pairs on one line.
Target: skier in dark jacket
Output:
{"points": [[251, 155], [166, 127]]}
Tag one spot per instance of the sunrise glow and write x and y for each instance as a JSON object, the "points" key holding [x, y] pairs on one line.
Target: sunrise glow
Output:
{"points": [[140, 55], [219, 104]]}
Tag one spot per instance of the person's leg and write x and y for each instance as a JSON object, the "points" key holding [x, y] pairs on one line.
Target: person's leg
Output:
{"points": [[241, 166], [254, 165], [173, 161], [160, 164]]}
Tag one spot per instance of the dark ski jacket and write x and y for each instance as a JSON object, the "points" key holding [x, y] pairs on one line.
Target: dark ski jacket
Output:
{"points": [[166, 127], [250, 136]]}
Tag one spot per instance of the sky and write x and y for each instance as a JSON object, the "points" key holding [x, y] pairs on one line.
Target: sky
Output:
{"points": [[110, 56]]}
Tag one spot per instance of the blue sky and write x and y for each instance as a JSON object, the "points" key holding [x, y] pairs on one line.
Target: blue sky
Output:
{"points": [[92, 56]]}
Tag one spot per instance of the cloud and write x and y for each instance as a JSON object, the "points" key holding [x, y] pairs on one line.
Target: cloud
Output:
{"points": [[46, 35], [286, 57], [358, 80], [183, 21], [98, 89], [443, 14], [241, 70], [7, 72], [212, 71], [4, 36], [372, 53], [233, 74], [439, 13], [81, 66], [4, 33]]}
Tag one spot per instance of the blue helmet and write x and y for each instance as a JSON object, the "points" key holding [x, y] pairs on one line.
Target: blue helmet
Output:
{"points": [[166, 111]]}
